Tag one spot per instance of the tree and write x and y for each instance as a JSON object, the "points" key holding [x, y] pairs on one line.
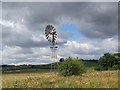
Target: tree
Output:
{"points": [[71, 66], [117, 66], [117, 56], [107, 60], [61, 60]]}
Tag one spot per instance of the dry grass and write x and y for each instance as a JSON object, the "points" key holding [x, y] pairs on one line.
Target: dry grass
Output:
{"points": [[91, 79], [0, 81]]}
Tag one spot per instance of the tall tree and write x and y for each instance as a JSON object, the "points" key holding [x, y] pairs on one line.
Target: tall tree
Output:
{"points": [[107, 60]]}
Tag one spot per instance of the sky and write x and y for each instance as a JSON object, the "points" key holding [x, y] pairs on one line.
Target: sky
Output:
{"points": [[85, 30]]}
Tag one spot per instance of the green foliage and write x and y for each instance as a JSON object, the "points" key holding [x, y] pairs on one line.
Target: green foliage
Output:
{"points": [[61, 60], [107, 60], [100, 68], [71, 66], [116, 67], [117, 56], [90, 63]]}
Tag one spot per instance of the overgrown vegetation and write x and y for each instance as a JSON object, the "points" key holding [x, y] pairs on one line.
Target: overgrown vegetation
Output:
{"points": [[109, 62], [71, 66], [90, 79]]}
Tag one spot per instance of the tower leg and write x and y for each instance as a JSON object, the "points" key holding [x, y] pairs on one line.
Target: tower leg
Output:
{"points": [[51, 67]]}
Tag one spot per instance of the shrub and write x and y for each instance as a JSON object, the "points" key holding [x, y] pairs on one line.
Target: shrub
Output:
{"points": [[107, 60], [116, 67], [61, 60], [71, 66], [100, 68]]}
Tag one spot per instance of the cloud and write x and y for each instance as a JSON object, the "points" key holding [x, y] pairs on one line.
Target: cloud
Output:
{"points": [[18, 35], [88, 48], [96, 17], [23, 25], [100, 21]]}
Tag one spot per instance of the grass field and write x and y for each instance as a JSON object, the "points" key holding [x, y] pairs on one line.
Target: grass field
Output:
{"points": [[90, 79]]}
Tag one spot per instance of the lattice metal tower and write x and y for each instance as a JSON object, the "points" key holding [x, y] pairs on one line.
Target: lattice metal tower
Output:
{"points": [[51, 36]]}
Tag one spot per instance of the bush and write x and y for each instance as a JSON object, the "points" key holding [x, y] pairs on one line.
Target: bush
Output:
{"points": [[107, 60], [117, 56], [71, 66], [100, 68], [116, 67]]}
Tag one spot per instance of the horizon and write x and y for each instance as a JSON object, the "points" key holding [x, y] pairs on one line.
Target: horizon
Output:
{"points": [[46, 63]]}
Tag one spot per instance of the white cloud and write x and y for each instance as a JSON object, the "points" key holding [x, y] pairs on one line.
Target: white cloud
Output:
{"points": [[7, 23], [85, 50], [23, 31], [91, 48]]}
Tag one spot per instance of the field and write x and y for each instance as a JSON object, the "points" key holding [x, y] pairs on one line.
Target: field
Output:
{"points": [[39, 77], [91, 79]]}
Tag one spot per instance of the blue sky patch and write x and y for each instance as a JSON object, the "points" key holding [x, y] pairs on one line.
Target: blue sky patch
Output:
{"points": [[73, 31]]}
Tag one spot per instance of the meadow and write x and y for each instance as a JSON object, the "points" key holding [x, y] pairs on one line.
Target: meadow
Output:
{"points": [[90, 79]]}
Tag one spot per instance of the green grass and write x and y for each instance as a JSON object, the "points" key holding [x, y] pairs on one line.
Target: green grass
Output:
{"points": [[90, 79], [26, 71]]}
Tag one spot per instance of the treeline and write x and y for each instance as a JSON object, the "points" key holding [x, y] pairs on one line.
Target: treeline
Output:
{"points": [[21, 67], [88, 63]]}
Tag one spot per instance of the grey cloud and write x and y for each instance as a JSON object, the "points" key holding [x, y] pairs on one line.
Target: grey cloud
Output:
{"points": [[102, 16], [101, 21], [23, 40], [24, 51], [96, 21], [25, 43]]}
